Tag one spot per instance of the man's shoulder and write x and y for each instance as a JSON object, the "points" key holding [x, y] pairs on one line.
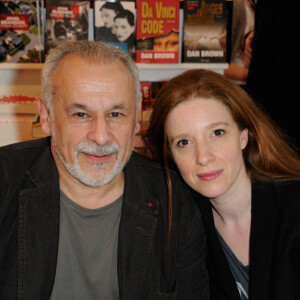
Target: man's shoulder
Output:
{"points": [[38, 143], [23, 152]]}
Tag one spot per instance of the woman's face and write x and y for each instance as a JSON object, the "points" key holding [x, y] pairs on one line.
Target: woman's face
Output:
{"points": [[123, 29], [107, 16], [206, 145]]}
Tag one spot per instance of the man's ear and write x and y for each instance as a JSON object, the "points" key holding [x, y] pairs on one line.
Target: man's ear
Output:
{"points": [[44, 116], [137, 127], [138, 117]]}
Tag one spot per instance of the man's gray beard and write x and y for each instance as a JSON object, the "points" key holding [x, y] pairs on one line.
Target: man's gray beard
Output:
{"points": [[102, 177]]}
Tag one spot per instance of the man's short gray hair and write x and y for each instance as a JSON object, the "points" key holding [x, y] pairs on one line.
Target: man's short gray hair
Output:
{"points": [[93, 52]]}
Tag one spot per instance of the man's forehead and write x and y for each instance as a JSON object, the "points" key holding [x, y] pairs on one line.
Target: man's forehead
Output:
{"points": [[77, 61], [74, 67]]}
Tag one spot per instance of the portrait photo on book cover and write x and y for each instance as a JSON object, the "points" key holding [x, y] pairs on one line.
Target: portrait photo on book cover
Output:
{"points": [[114, 24]]}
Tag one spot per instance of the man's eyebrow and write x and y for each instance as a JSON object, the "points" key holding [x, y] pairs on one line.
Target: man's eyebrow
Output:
{"points": [[119, 106], [74, 106]]}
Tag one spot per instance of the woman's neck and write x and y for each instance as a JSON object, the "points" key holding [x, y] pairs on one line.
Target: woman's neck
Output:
{"points": [[233, 205], [232, 218]]}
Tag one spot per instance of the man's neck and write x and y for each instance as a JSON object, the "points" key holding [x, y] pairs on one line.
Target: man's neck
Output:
{"points": [[92, 197]]}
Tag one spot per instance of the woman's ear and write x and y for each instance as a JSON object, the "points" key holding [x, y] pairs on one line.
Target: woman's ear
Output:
{"points": [[44, 116], [244, 138]]}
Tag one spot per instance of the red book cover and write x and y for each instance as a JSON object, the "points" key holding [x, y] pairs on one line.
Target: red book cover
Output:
{"points": [[157, 31], [149, 90]]}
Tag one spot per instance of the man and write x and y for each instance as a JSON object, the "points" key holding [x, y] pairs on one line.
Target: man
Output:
{"points": [[81, 216]]}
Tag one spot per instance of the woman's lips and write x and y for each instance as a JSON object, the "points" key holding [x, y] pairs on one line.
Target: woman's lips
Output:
{"points": [[209, 176]]}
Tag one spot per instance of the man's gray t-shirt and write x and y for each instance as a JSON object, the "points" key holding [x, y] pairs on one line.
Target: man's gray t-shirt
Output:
{"points": [[87, 252]]}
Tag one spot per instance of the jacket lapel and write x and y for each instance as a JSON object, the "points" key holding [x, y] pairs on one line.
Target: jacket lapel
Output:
{"points": [[137, 228], [39, 230], [222, 282], [261, 240]]}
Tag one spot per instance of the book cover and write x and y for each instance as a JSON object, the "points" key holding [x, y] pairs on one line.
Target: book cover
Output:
{"points": [[205, 31], [114, 24], [66, 20], [157, 31], [21, 31]]}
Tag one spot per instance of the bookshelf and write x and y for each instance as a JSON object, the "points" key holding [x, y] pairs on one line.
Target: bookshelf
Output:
{"points": [[20, 79], [25, 78], [161, 72]]}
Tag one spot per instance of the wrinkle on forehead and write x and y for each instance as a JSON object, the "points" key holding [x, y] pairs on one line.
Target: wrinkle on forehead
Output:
{"points": [[72, 66], [90, 64]]}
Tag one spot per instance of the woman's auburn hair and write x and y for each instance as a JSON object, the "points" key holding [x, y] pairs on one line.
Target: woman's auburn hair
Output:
{"points": [[269, 154]]}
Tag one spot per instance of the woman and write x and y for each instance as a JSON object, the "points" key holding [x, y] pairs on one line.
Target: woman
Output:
{"points": [[246, 182]]}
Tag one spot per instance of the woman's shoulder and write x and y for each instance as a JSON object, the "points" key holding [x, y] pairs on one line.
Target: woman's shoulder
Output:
{"points": [[290, 187], [281, 194]]}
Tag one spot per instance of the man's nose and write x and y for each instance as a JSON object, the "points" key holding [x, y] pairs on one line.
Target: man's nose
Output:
{"points": [[99, 131]]}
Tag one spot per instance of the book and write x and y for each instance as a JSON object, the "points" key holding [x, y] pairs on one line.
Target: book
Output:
{"points": [[157, 31], [149, 90], [206, 31], [37, 131], [16, 116], [21, 31], [66, 21], [114, 24], [18, 104]]}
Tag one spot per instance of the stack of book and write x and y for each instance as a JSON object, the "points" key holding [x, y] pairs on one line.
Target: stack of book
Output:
{"points": [[17, 113]]}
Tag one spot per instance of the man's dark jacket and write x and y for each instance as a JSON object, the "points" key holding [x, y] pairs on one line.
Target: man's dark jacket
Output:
{"points": [[274, 272], [149, 266]]}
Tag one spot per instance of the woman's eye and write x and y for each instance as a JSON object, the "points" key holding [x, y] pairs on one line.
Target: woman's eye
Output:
{"points": [[182, 143], [218, 132]]}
